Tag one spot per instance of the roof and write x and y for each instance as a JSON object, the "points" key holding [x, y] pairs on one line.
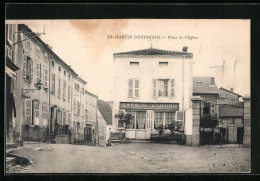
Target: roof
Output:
{"points": [[230, 91], [202, 85], [91, 94], [230, 110], [151, 52], [105, 110]]}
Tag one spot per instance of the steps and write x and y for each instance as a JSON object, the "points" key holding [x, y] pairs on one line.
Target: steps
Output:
{"points": [[49, 139]]}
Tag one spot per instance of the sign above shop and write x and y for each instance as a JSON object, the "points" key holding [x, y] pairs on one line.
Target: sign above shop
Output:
{"points": [[161, 106]]}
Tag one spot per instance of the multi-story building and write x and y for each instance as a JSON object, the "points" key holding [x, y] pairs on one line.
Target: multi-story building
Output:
{"points": [[12, 128], [155, 86], [45, 90]]}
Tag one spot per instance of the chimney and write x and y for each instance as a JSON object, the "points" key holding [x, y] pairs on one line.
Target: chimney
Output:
{"points": [[232, 89], [184, 49]]}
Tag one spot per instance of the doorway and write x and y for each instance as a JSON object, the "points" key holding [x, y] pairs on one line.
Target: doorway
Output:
{"points": [[240, 134]]}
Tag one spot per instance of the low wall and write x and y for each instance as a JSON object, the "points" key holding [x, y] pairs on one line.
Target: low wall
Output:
{"points": [[33, 133]]}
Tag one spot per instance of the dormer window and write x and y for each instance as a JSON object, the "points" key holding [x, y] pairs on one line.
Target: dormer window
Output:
{"points": [[45, 57], [134, 64], [52, 63]]}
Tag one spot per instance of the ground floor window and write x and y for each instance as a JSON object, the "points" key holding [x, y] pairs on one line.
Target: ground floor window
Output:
{"points": [[140, 120], [163, 119], [131, 125]]}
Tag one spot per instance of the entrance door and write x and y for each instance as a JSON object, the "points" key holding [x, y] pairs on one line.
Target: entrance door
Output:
{"points": [[240, 133], [87, 133]]}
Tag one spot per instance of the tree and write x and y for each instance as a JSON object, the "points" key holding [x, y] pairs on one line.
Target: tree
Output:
{"points": [[124, 119], [160, 130], [173, 127]]}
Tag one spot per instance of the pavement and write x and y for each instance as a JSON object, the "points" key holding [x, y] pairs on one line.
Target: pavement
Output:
{"points": [[132, 158]]}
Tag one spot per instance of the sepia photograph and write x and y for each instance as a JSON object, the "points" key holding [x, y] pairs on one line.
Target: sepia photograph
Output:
{"points": [[127, 96]]}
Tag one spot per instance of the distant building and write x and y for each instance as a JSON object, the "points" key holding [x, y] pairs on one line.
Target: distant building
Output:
{"points": [[155, 86], [104, 122]]}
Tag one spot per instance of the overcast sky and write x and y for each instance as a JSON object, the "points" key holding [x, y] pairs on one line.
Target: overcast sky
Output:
{"points": [[84, 45]]}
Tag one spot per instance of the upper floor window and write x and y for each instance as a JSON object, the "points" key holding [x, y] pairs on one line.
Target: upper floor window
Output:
{"points": [[52, 63], [64, 73], [163, 64], [28, 68], [29, 44], [59, 68], [69, 77], [134, 64], [133, 88], [37, 51], [163, 87]]}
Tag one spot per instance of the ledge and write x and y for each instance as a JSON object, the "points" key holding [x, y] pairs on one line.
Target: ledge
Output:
{"points": [[196, 98]]}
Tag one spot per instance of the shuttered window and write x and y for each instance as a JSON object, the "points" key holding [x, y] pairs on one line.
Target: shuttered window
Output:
{"points": [[45, 77], [10, 33], [44, 110], [75, 107], [53, 83], [59, 84], [38, 72], [28, 111], [78, 108], [172, 87], [24, 65], [68, 93], [64, 90], [130, 87], [36, 115], [212, 108], [136, 88], [154, 87]]}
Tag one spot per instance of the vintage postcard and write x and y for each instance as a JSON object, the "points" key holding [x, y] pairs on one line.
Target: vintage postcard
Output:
{"points": [[127, 96]]}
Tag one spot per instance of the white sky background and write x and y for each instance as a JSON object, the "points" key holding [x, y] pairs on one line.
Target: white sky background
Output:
{"points": [[83, 44]]}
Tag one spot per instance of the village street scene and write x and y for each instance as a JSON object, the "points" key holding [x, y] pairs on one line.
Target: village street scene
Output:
{"points": [[127, 96]]}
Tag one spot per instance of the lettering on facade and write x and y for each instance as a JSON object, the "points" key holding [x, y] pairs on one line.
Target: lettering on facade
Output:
{"points": [[164, 106]]}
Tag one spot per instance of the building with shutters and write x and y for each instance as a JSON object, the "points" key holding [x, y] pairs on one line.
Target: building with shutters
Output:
{"points": [[155, 86], [11, 123], [50, 97]]}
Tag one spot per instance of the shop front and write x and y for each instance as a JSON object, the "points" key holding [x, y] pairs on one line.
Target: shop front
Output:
{"points": [[147, 117]]}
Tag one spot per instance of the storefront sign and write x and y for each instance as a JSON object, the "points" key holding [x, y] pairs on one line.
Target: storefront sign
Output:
{"points": [[162, 106]]}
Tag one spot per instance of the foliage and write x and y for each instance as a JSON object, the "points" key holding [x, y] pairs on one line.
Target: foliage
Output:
{"points": [[160, 130], [174, 126], [124, 119]]}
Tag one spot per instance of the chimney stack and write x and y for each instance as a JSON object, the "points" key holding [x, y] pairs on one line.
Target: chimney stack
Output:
{"points": [[185, 49], [232, 89]]}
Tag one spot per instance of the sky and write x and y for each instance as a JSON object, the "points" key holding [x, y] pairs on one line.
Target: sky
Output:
{"points": [[84, 44]]}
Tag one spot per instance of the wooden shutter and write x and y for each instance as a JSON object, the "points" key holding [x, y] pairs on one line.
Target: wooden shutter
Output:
{"points": [[137, 86], [74, 103], [68, 92], [37, 73], [130, 87], [28, 111], [45, 77], [32, 69], [59, 86], [53, 82], [212, 108], [172, 87], [36, 112], [24, 65], [64, 89], [154, 87], [28, 67]]}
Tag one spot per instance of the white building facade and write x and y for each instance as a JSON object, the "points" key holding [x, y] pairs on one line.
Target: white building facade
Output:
{"points": [[155, 86]]}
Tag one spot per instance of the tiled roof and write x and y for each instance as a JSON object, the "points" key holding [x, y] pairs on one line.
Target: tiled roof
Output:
{"points": [[153, 52], [105, 110], [202, 85], [230, 110]]}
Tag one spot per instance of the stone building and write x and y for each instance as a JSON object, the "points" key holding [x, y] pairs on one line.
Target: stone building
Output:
{"points": [[11, 123], [48, 96], [104, 122], [155, 86]]}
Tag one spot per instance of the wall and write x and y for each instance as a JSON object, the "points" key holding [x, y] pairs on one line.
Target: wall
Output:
{"points": [[103, 130]]}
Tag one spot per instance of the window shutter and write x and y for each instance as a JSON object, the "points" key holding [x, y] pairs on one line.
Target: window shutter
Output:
{"points": [[36, 112], [154, 87], [130, 87], [37, 73], [53, 83], [24, 65], [212, 108], [172, 87], [64, 89], [28, 111], [74, 103], [32, 69], [28, 67], [137, 88], [68, 92], [45, 77]]}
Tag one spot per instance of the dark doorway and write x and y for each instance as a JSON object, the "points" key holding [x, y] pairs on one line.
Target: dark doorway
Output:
{"points": [[240, 134], [87, 133], [223, 132]]}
